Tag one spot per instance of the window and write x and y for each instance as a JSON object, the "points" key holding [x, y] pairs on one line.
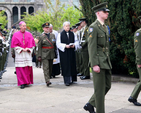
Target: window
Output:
{"points": [[15, 0], [2, 0], [63, 0], [76, 3], [30, 1]]}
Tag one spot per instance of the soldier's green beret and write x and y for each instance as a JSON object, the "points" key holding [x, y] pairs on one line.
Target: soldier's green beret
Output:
{"points": [[101, 7], [83, 19], [73, 27], [46, 24], [78, 23]]}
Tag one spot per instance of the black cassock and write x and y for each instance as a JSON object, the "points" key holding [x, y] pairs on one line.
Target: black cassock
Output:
{"points": [[67, 58]]}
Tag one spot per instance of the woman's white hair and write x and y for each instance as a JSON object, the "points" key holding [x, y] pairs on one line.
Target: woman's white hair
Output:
{"points": [[67, 22]]}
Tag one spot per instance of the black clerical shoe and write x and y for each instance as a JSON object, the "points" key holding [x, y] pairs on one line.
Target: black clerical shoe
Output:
{"points": [[22, 86], [67, 84], [134, 101], [79, 74], [89, 107], [48, 84], [84, 77]]}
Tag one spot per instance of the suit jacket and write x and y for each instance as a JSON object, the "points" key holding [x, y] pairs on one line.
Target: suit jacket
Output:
{"points": [[98, 45], [43, 51]]}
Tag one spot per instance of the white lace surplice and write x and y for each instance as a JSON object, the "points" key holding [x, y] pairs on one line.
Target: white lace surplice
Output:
{"points": [[23, 59]]}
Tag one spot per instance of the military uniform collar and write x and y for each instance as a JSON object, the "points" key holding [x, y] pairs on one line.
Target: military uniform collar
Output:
{"points": [[100, 22], [85, 26], [101, 26]]}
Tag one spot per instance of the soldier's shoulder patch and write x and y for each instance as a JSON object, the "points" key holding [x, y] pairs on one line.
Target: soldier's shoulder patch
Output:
{"points": [[136, 40], [137, 34], [90, 29], [53, 40]]}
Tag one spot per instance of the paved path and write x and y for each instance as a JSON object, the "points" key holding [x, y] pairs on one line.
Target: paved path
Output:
{"points": [[59, 98]]}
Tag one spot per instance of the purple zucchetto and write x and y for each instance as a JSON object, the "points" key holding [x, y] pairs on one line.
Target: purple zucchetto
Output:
{"points": [[21, 22]]}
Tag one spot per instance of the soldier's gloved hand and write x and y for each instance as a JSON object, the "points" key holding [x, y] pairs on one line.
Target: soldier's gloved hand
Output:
{"points": [[39, 59], [96, 69]]}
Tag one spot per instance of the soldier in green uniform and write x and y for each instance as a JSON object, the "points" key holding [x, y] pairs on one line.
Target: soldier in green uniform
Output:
{"points": [[46, 52], [38, 64], [78, 52], [137, 47], [98, 48], [84, 50]]}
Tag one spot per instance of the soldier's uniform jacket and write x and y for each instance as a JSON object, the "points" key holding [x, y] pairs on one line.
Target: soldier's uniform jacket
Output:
{"points": [[47, 46], [137, 46], [78, 33], [84, 42], [98, 45]]}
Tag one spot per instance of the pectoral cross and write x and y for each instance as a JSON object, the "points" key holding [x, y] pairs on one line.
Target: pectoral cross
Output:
{"points": [[23, 40]]}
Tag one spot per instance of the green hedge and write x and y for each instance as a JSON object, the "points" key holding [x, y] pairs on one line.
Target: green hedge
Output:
{"points": [[123, 22]]}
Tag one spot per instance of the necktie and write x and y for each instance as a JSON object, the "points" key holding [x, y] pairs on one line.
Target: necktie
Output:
{"points": [[48, 35], [104, 27], [23, 40]]}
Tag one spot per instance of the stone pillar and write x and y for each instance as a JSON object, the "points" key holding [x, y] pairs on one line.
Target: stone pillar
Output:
{"points": [[19, 13], [27, 7], [9, 21]]}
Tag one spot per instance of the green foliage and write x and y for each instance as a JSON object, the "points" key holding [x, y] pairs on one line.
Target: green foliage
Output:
{"points": [[55, 15], [71, 14], [3, 19], [123, 23]]}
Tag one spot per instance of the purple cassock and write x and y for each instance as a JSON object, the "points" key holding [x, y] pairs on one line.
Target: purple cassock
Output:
{"points": [[23, 60]]}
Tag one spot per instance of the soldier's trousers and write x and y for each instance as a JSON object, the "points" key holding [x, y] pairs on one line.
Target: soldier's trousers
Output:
{"points": [[80, 62], [37, 62], [85, 63], [47, 68], [77, 61], [137, 88], [102, 84]]}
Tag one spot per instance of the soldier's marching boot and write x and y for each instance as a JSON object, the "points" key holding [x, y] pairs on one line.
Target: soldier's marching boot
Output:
{"points": [[134, 101], [84, 77], [79, 74], [89, 107], [48, 84]]}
